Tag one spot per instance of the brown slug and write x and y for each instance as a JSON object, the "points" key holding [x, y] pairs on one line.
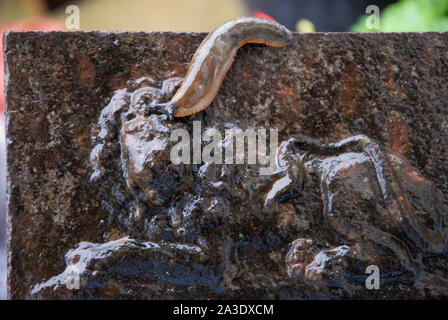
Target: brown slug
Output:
{"points": [[214, 57]]}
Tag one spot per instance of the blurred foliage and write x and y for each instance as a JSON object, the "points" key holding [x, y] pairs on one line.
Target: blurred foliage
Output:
{"points": [[305, 26], [410, 16]]}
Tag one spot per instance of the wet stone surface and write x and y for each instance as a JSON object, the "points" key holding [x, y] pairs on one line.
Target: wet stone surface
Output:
{"points": [[97, 209]]}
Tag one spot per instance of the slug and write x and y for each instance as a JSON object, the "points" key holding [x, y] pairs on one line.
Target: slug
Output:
{"points": [[213, 59]]}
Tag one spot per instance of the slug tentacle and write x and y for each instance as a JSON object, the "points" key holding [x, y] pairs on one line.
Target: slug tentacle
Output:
{"points": [[215, 56]]}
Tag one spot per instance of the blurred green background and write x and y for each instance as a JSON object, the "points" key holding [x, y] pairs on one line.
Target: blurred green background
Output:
{"points": [[204, 15], [411, 16]]}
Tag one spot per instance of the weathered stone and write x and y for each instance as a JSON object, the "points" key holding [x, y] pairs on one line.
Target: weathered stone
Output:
{"points": [[362, 177]]}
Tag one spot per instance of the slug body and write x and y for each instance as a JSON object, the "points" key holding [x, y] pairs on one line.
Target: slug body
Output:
{"points": [[214, 58]]}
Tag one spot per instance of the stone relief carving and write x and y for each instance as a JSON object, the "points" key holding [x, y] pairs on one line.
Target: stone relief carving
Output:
{"points": [[375, 207]]}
